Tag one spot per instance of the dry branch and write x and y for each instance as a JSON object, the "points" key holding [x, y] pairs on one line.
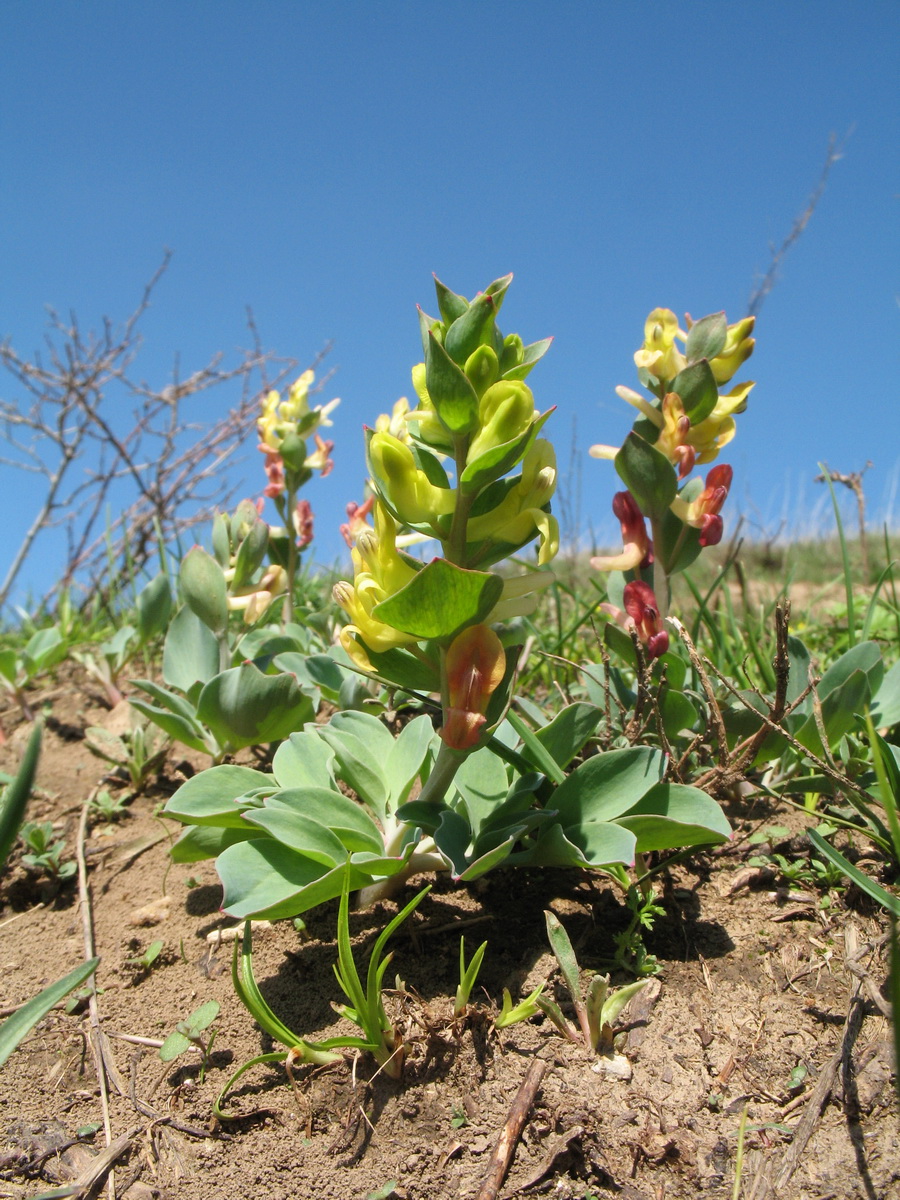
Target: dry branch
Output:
{"points": [[161, 471]]}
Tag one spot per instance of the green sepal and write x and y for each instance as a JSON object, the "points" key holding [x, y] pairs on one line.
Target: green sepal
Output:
{"points": [[428, 325], [451, 305], [441, 600], [471, 330]]}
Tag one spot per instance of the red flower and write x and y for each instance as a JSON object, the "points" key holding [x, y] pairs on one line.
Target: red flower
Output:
{"points": [[637, 549], [642, 609], [303, 523]]}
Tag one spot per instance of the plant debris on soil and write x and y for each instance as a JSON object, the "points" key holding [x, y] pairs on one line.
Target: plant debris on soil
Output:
{"points": [[770, 1003]]}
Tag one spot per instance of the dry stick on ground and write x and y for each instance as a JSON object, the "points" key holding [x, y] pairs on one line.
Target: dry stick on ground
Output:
{"points": [[512, 1130], [764, 1186], [97, 1041]]}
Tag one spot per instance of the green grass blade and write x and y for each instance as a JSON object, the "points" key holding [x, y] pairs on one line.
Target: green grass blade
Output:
{"points": [[345, 968], [888, 797], [894, 996], [845, 556], [15, 798], [251, 997], [862, 881], [16, 1027], [542, 756], [895, 607], [886, 574]]}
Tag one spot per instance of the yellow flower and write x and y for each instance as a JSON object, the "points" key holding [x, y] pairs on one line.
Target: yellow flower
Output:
{"points": [[282, 417], [395, 423], [520, 514], [413, 496], [710, 435], [254, 603], [659, 354], [737, 349], [505, 411], [379, 572]]}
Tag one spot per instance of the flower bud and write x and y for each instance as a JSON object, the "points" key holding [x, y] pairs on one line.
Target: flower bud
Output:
{"points": [[505, 412], [641, 607], [482, 368], [475, 665]]}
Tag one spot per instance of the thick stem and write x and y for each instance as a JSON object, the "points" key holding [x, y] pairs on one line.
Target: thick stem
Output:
{"points": [[287, 614], [660, 576], [442, 775], [456, 548], [384, 889]]}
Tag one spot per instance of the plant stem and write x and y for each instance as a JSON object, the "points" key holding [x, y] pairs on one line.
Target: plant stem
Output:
{"points": [[456, 546], [442, 774], [660, 576], [287, 614]]}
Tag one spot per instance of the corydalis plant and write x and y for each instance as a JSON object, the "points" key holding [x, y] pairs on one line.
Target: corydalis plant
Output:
{"points": [[685, 424], [284, 429], [444, 471]]}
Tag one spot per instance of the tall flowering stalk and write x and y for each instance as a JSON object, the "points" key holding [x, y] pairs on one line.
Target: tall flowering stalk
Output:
{"points": [[284, 429], [466, 468], [684, 424]]}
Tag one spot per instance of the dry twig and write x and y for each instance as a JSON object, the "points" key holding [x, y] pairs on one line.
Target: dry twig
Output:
{"points": [[510, 1133]]}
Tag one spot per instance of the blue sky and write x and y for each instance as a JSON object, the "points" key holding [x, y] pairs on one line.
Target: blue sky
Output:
{"points": [[318, 161]]}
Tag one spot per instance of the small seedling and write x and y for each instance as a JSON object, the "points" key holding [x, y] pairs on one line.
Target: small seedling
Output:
{"points": [[512, 1014], [136, 754], [107, 807], [365, 1010], [44, 650], [459, 1118], [467, 976], [190, 1033], [79, 999], [145, 961], [596, 1009], [15, 793], [45, 854]]}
